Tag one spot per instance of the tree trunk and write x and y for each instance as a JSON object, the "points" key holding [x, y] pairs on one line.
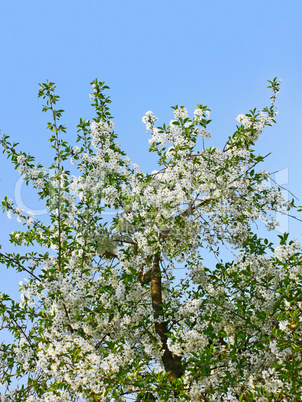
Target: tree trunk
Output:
{"points": [[171, 362]]}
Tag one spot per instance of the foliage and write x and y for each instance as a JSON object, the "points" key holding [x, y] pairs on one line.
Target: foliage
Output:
{"points": [[104, 314]]}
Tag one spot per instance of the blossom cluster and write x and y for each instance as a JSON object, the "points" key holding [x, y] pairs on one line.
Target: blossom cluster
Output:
{"points": [[105, 314]]}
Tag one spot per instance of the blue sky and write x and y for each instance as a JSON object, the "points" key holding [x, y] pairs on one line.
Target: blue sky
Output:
{"points": [[153, 54]]}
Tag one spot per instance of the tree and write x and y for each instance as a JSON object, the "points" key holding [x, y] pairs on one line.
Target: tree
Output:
{"points": [[103, 315]]}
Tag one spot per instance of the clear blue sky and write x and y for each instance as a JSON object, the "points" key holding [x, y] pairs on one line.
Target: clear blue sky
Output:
{"points": [[153, 54]]}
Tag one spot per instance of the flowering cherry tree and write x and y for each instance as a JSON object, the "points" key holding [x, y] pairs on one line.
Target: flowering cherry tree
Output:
{"points": [[103, 316]]}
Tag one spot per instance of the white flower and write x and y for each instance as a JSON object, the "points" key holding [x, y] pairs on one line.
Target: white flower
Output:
{"points": [[34, 172], [29, 221], [149, 119], [21, 159], [38, 183], [245, 120], [22, 169], [181, 112], [283, 325], [198, 112]]}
